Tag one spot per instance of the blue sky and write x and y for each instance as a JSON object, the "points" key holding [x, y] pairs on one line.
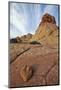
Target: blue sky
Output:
{"points": [[25, 18]]}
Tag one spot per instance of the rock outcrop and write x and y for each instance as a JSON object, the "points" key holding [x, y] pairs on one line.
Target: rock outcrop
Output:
{"points": [[47, 32], [22, 39], [26, 38], [48, 18]]}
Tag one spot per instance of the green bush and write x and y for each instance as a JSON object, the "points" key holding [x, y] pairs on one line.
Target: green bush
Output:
{"points": [[34, 42]]}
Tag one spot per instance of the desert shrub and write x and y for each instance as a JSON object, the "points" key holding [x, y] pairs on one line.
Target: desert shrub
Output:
{"points": [[13, 40], [34, 42]]}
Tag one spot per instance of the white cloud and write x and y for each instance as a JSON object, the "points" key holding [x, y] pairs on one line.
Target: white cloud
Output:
{"points": [[26, 18], [18, 20], [48, 9]]}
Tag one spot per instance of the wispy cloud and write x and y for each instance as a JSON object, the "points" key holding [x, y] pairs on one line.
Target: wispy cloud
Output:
{"points": [[25, 18], [18, 20]]}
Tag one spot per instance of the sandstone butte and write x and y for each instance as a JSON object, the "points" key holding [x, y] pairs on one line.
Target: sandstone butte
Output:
{"points": [[47, 31]]}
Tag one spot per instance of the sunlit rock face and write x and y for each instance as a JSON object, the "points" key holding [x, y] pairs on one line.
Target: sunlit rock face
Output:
{"points": [[47, 32], [48, 18]]}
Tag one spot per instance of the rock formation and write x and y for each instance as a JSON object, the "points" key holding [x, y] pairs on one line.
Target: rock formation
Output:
{"points": [[22, 39], [26, 73], [47, 32], [48, 18], [26, 38]]}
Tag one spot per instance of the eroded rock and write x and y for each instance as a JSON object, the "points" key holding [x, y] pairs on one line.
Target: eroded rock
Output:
{"points": [[48, 18], [26, 73]]}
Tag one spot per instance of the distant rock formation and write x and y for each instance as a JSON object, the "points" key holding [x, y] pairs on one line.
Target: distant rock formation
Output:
{"points": [[26, 38], [16, 40], [22, 39], [13, 40]]}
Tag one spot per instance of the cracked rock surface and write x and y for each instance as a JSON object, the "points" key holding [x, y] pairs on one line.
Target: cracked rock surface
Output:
{"points": [[44, 62]]}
